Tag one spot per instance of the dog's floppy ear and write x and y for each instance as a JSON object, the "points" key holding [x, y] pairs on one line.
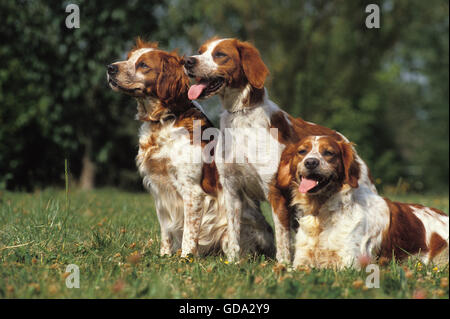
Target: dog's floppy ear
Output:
{"points": [[254, 68], [172, 83], [351, 167], [284, 176]]}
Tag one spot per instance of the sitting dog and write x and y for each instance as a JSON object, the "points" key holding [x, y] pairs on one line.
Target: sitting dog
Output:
{"points": [[186, 192], [235, 71], [339, 224]]}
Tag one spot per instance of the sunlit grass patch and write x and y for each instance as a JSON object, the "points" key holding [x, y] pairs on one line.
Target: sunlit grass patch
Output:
{"points": [[113, 237]]}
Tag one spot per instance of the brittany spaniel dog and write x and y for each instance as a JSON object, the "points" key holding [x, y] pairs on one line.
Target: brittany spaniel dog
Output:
{"points": [[235, 71], [338, 222], [186, 188]]}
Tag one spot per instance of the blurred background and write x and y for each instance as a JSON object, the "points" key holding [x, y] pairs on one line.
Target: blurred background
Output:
{"points": [[386, 89]]}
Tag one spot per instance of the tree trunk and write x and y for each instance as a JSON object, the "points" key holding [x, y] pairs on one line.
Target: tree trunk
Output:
{"points": [[87, 178]]}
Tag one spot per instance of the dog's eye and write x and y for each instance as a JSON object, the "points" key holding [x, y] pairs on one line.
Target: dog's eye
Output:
{"points": [[328, 153], [302, 152], [143, 65], [219, 55]]}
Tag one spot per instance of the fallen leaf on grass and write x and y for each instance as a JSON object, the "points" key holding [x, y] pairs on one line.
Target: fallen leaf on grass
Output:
{"points": [[279, 268], [134, 258], [118, 286]]}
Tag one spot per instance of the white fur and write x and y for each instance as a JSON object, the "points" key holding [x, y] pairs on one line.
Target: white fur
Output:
{"points": [[349, 225]]}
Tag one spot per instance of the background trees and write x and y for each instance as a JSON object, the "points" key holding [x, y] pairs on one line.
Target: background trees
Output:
{"points": [[385, 89]]}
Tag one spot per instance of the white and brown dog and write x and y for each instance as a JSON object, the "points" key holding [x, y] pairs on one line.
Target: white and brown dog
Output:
{"points": [[235, 71], [339, 223], [186, 191]]}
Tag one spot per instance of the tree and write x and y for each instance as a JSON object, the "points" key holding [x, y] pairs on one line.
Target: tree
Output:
{"points": [[55, 100], [327, 67]]}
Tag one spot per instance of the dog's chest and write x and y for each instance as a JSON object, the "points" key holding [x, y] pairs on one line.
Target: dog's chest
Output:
{"points": [[162, 149], [325, 239], [252, 146]]}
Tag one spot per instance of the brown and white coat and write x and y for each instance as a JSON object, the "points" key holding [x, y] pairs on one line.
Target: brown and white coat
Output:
{"points": [[235, 71], [187, 192], [339, 223]]}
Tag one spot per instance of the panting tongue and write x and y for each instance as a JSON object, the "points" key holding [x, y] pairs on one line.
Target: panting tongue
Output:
{"points": [[195, 90], [306, 185]]}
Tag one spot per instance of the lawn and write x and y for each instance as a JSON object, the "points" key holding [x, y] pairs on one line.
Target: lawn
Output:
{"points": [[113, 237]]}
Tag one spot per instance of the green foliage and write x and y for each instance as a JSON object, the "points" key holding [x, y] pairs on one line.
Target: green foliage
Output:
{"points": [[55, 100], [386, 89], [116, 245]]}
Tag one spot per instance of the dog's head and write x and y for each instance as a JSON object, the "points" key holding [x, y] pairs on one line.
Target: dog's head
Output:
{"points": [[318, 165], [150, 73], [222, 63]]}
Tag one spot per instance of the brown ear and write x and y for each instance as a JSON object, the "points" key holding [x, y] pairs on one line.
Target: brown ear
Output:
{"points": [[351, 167], [254, 68], [285, 173], [284, 177], [172, 83]]}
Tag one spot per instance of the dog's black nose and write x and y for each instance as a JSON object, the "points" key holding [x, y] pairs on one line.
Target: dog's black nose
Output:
{"points": [[311, 163], [112, 69], [190, 62]]}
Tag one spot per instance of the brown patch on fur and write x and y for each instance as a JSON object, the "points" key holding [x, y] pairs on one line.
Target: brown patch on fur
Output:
{"points": [[279, 200], [405, 233], [303, 129], [351, 167], [255, 97], [210, 179], [437, 245], [172, 83], [286, 133], [157, 167], [286, 168]]}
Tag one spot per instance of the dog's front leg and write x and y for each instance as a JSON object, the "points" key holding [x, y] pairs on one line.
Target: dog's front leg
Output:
{"points": [[192, 221], [281, 221], [166, 244], [166, 238], [233, 206], [282, 239]]}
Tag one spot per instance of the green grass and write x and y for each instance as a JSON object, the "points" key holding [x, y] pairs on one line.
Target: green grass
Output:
{"points": [[113, 237]]}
